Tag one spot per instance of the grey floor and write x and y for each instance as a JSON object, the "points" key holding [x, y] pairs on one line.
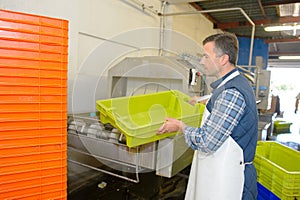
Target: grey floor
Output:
{"points": [[89, 186]]}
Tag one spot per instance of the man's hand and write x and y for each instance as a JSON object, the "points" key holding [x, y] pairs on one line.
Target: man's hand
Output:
{"points": [[199, 99], [171, 125], [193, 100]]}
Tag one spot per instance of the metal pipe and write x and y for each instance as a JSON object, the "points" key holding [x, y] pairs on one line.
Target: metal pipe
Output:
{"points": [[112, 41], [252, 35], [220, 10], [251, 46], [162, 29]]}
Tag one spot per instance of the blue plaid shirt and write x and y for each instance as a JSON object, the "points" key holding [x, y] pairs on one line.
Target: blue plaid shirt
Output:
{"points": [[225, 115]]}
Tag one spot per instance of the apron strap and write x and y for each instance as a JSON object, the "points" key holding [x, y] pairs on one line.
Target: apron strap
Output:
{"points": [[247, 163]]}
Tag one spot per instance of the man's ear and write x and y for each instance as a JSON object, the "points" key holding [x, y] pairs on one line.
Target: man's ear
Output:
{"points": [[224, 59]]}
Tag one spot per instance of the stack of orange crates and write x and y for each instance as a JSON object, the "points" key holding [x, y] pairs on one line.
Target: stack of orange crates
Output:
{"points": [[33, 106]]}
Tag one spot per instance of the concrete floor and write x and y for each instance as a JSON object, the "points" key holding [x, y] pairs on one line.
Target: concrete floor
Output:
{"points": [[92, 185]]}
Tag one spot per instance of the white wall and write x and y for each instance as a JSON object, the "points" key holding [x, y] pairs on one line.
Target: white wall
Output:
{"points": [[102, 32]]}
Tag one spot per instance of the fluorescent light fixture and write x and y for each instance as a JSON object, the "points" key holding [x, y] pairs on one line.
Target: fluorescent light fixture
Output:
{"points": [[282, 28], [289, 57]]}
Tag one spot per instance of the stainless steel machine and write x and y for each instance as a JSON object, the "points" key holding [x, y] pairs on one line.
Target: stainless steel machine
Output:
{"points": [[102, 147]]}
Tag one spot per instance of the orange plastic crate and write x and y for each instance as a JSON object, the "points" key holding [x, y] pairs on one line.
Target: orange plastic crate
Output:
{"points": [[32, 173], [33, 132], [15, 98], [52, 90], [54, 194], [19, 27], [53, 106], [53, 48], [51, 115], [19, 81], [20, 67], [51, 22], [15, 124], [33, 106], [53, 31], [44, 177], [10, 115], [53, 123], [56, 57], [19, 17], [11, 99], [38, 157], [10, 89], [58, 82], [51, 65], [58, 194], [52, 40], [19, 54], [19, 45], [19, 36], [30, 68], [53, 73], [7, 143], [53, 99], [27, 170], [38, 192], [21, 107], [32, 28], [23, 124], [28, 149], [44, 184]]}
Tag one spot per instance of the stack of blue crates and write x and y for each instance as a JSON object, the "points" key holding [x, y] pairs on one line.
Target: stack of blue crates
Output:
{"points": [[264, 193], [278, 171]]}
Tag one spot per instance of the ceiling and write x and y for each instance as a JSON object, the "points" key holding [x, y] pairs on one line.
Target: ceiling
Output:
{"points": [[263, 13]]}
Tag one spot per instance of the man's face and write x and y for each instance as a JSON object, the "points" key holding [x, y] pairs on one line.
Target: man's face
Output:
{"points": [[210, 60]]}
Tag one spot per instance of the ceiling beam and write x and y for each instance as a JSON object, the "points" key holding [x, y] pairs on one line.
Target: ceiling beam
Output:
{"points": [[263, 13], [275, 3], [261, 22], [282, 40], [277, 53]]}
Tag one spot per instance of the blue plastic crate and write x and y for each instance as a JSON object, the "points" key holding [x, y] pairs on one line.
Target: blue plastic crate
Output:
{"points": [[264, 193]]}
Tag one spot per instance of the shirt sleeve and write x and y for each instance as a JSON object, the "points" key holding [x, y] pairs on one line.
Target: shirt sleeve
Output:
{"points": [[225, 115]]}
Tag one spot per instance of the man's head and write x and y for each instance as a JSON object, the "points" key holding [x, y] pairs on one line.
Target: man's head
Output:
{"points": [[220, 54]]}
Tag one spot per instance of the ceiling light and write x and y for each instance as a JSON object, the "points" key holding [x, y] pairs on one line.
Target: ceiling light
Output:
{"points": [[282, 28], [289, 57]]}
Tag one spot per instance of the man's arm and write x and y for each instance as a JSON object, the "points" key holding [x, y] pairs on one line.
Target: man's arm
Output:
{"points": [[225, 115]]}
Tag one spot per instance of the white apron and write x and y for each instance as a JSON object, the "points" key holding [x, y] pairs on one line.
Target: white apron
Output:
{"points": [[219, 175]]}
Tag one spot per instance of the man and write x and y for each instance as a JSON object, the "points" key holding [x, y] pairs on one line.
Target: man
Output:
{"points": [[297, 102], [225, 143]]}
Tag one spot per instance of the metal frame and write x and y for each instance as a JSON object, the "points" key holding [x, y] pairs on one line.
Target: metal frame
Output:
{"points": [[136, 166]]}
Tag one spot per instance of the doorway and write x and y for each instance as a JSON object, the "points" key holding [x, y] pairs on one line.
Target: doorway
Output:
{"points": [[285, 83]]}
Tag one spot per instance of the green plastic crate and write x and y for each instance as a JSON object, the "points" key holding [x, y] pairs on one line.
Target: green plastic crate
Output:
{"points": [[139, 117], [281, 127], [279, 169]]}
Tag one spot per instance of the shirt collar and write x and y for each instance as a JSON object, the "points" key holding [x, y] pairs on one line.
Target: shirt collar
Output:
{"points": [[216, 83]]}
